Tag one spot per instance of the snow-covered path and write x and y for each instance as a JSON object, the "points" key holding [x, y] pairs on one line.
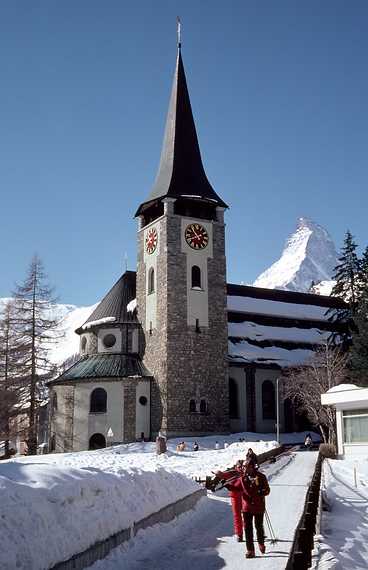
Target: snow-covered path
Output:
{"points": [[202, 539]]}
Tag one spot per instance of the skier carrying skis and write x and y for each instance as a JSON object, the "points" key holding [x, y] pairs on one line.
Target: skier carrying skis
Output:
{"points": [[254, 487], [235, 494], [251, 455]]}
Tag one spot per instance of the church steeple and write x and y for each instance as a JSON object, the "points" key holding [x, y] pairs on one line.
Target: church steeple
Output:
{"points": [[181, 173]]}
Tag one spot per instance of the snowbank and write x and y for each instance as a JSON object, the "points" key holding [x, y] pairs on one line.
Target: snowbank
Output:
{"points": [[54, 506], [52, 512], [343, 542]]}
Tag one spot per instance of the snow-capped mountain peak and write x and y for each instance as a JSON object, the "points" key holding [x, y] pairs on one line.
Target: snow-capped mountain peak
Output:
{"points": [[309, 256]]}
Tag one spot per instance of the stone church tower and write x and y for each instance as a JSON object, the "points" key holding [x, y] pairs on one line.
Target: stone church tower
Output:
{"points": [[181, 283]]}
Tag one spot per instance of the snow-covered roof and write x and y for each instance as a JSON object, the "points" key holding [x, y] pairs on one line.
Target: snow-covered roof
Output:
{"points": [[346, 397], [343, 388], [277, 328]]}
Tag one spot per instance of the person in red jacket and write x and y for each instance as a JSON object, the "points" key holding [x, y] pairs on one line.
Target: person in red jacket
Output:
{"points": [[255, 488], [235, 493]]}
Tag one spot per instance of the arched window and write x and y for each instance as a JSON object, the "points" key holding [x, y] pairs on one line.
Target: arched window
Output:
{"points": [[97, 441], [98, 401], [84, 343], [54, 402], [151, 280], [233, 399], [268, 400], [203, 406], [196, 277], [192, 407], [52, 443]]}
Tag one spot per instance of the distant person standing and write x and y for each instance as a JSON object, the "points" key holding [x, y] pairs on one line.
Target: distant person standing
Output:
{"points": [[252, 456], [217, 445], [308, 442], [195, 446]]}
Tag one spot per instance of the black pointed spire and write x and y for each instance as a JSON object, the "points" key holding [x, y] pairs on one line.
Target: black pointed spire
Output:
{"points": [[181, 172]]}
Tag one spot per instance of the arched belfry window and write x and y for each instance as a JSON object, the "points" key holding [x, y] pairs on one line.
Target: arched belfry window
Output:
{"points": [[98, 404], [203, 406], [151, 280], [196, 277], [233, 399], [268, 400], [192, 406]]}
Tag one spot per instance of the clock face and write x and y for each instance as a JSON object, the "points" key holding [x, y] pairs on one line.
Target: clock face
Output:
{"points": [[196, 236], [151, 240]]}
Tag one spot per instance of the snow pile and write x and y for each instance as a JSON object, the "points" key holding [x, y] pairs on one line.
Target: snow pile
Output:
{"points": [[57, 505], [60, 510], [103, 321], [309, 256], [324, 287], [54, 506], [132, 305], [344, 532], [343, 388]]}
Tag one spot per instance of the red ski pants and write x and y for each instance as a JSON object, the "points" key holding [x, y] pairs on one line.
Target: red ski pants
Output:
{"points": [[236, 505]]}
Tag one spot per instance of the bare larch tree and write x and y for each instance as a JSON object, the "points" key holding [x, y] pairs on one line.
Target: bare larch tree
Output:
{"points": [[39, 328], [304, 385]]}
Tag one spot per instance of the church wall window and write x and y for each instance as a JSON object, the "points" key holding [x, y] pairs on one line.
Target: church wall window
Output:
{"points": [[135, 345], [196, 277], [54, 402], [268, 400], [233, 399], [98, 402], [52, 443], [203, 406], [151, 281], [192, 407], [84, 343], [97, 441]]}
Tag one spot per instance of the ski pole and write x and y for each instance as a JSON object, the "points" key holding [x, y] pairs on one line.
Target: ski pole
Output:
{"points": [[270, 527]]}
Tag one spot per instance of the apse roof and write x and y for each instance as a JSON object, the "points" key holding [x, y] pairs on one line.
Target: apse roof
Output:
{"points": [[104, 366], [113, 306]]}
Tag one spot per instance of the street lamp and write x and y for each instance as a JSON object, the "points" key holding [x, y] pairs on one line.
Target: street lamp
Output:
{"points": [[277, 412]]}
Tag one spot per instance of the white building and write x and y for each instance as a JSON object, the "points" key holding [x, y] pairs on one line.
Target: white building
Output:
{"points": [[351, 404]]}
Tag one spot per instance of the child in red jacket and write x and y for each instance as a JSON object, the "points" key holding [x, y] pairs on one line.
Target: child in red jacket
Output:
{"points": [[235, 496]]}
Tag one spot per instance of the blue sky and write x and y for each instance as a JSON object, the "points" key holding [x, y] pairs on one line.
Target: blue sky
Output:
{"points": [[279, 91]]}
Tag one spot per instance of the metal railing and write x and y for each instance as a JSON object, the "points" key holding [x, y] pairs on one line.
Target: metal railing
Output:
{"points": [[300, 557]]}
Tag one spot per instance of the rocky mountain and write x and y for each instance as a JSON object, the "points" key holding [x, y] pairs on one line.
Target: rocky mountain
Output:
{"points": [[309, 256]]}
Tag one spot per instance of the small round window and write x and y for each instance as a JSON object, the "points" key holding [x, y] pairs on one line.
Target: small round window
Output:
{"points": [[143, 401], [109, 340]]}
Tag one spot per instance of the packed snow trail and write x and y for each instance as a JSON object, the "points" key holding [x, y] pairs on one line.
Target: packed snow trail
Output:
{"points": [[202, 539]]}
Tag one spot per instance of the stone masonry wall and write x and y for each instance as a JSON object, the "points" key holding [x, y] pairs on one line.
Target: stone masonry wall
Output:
{"points": [[186, 364]]}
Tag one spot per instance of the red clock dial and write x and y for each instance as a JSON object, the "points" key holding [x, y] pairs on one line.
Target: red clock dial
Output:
{"points": [[196, 236], [151, 240]]}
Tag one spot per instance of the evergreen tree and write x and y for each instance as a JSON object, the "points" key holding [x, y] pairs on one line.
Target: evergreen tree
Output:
{"points": [[359, 349], [38, 328], [347, 288], [347, 273]]}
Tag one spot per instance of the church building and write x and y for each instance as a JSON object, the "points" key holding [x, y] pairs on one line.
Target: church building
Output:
{"points": [[172, 347]]}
